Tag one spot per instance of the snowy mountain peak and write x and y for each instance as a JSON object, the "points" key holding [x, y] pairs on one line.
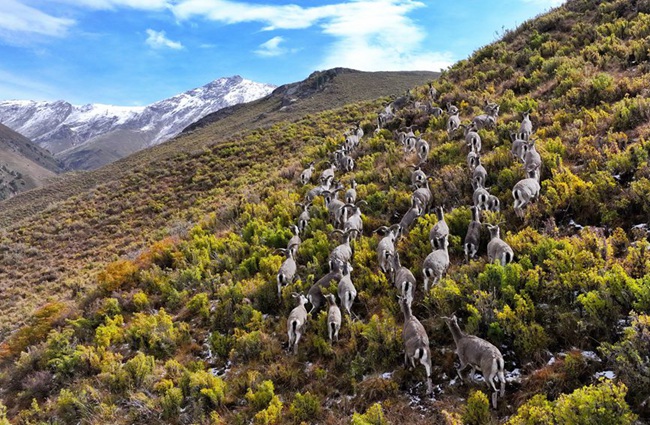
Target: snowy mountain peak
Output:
{"points": [[66, 129]]}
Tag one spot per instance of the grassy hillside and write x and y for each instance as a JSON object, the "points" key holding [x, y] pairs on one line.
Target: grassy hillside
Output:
{"points": [[23, 165], [58, 237], [184, 326], [336, 88]]}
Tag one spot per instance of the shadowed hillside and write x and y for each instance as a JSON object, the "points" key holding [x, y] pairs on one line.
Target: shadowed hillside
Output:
{"points": [[23, 165], [185, 326]]}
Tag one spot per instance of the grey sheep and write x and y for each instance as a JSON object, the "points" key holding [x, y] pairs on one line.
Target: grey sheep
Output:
{"points": [[478, 354], [526, 126], [519, 145], [315, 293], [418, 176], [333, 318], [453, 123], [422, 149], [472, 138], [423, 194], [304, 217], [524, 192], [295, 241], [386, 245], [479, 174], [287, 270], [343, 252], [351, 193], [306, 174], [439, 231], [473, 237], [403, 279], [410, 216], [497, 248], [346, 290], [296, 322], [416, 342], [435, 265]]}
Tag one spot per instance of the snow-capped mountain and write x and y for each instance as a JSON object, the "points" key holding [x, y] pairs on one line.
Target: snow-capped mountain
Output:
{"points": [[88, 136]]}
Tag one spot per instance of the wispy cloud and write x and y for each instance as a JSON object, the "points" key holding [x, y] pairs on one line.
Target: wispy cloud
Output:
{"points": [[271, 47], [379, 35], [115, 4], [13, 86], [158, 40], [18, 18], [368, 34]]}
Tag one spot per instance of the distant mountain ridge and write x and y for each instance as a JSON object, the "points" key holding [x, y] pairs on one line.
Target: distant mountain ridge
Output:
{"points": [[89, 136]]}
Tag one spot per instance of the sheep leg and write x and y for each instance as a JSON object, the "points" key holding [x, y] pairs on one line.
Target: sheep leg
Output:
{"points": [[295, 344], [459, 371], [426, 362]]}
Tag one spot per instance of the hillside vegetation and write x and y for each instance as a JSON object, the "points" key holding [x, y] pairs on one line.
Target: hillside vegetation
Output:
{"points": [[185, 327], [55, 239], [23, 165]]}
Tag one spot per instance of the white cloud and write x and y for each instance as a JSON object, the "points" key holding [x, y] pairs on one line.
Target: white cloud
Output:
{"points": [[158, 40], [231, 12], [115, 4], [379, 36], [368, 35], [18, 18], [271, 47]]}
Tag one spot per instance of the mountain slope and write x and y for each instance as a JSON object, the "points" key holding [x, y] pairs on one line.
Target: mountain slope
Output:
{"points": [[342, 87], [89, 136], [23, 165], [185, 326]]}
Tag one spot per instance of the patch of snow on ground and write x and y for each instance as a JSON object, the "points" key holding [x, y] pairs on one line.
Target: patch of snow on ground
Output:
{"points": [[513, 376], [607, 374], [590, 355], [215, 371]]}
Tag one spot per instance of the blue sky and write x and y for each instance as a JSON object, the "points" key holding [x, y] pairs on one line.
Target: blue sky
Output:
{"points": [[135, 52]]}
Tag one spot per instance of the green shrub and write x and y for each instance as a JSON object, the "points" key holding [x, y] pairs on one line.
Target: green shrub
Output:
{"points": [[536, 411], [305, 407], [171, 402], [199, 305], [262, 396], [602, 404], [204, 388], [140, 301], [111, 332], [629, 357], [373, 416], [477, 410], [139, 368], [155, 333], [271, 415]]}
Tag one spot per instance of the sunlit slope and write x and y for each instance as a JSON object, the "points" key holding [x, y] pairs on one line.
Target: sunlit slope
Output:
{"points": [[185, 326]]}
